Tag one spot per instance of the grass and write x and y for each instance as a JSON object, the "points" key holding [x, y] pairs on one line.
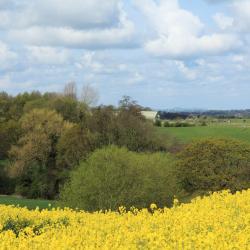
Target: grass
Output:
{"points": [[188, 134], [29, 203]]}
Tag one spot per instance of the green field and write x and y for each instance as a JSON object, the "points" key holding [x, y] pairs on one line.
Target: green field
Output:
{"points": [[188, 134], [29, 203]]}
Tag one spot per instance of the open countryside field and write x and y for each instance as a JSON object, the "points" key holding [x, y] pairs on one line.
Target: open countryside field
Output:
{"points": [[29, 203], [220, 221], [188, 134]]}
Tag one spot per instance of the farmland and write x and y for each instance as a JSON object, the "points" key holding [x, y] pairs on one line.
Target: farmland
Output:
{"points": [[219, 221], [22, 202], [235, 129], [188, 134]]}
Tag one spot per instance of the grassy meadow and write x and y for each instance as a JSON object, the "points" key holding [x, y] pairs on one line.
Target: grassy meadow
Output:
{"points": [[29, 203], [236, 129]]}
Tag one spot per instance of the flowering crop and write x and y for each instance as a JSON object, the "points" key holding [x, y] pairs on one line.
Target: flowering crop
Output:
{"points": [[219, 221]]}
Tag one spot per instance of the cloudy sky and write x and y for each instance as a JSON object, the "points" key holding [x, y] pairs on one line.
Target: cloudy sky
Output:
{"points": [[163, 53]]}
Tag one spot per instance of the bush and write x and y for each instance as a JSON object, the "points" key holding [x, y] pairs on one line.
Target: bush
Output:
{"points": [[178, 124], [114, 176], [157, 123], [203, 124], [215, 164], [167, 124]]}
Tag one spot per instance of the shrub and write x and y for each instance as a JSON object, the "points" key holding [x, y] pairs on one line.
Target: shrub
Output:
{"points": [[215, 164], [167, 124], [203, 124], [157, 123], [114, 176]]}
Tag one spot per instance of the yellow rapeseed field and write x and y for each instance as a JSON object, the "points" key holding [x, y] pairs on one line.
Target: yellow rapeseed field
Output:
{"points": [[219, 221]]}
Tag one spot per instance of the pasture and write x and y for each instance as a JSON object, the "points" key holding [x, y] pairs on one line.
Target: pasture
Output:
{"points": [[187, 134], [29, 203]]}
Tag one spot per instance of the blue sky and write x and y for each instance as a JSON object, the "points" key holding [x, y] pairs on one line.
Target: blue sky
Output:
{"points": [[163, 53]]}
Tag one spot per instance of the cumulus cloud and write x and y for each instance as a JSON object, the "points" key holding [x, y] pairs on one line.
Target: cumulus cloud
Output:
{"points": [[241, 10], [69, 24], [64, 13], [7, 56], [180, 34], [7, 84], [48, 55], [68, 37], [224, 22]]}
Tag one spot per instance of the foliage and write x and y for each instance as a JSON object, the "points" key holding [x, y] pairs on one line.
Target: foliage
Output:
{"points": [[215, 164], [74, 146], [34, 158], [103, 123], [177, 124], [125, 127], [113, 176], [158, 123], [7, 185], [219, 221], [9, 134]]}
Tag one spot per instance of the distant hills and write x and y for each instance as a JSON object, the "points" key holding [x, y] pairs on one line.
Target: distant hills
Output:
{"points": [[182, 113]]}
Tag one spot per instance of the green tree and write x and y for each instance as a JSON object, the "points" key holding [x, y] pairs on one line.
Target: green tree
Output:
{"points": [[114, 176], [74, 146], [9, 135], [103, 123], [36, 149], [134, 131], [215, 164]]}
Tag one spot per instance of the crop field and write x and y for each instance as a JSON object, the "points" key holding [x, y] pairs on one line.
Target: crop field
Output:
{"points": [[188, 134], [219, 221], [29, 203]]}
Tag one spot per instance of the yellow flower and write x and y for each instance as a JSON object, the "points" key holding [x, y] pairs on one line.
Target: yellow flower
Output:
{"points": [[219, 221]]}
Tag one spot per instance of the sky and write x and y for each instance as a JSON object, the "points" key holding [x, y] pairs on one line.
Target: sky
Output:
{"points": [[163, 53]]}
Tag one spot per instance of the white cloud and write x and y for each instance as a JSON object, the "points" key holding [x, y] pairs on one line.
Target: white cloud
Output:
{"points": [[241, 10], [72, 23], [7, 57], [100, 64], [223, 21], [68, 37], [48, 55], [88, 61], [6, 84], [188, 73], [180, 34], [189, 46], [63, 13], [136, 78]]}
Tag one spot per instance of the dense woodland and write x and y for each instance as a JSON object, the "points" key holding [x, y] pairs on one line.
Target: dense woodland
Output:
{"points": [[58, 146]]}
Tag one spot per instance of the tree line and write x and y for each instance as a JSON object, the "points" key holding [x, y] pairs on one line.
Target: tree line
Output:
{"points": [[44, 136], [60, 146]]}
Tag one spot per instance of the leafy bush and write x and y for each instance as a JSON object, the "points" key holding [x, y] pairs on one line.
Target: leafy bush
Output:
{"points": [[178, 124], [167, 124], [157, 123], [114, 176], [215, 164]]}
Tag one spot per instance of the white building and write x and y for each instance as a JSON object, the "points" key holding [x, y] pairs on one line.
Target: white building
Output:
{"points": [[150, 115]]}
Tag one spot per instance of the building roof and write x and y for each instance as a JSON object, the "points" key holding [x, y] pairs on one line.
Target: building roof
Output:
{"points": [[150, 115]]}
